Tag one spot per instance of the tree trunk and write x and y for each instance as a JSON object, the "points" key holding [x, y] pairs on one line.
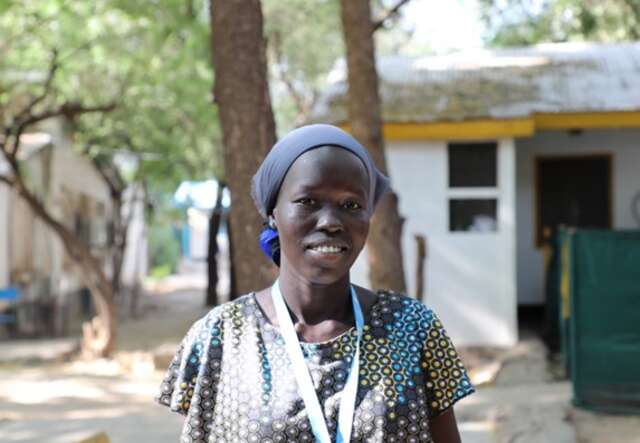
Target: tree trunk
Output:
{"points": [[120, 223], [248, 128], [212, 252], [384, 244], [99, 334], [233, 280], [119, 243]]}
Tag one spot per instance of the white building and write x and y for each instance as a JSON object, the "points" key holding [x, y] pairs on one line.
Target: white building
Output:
{"points": [[489, 151], [72, 190]]}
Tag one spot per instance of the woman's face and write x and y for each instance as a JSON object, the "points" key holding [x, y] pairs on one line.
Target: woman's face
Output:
{"points": [[322, 214]]}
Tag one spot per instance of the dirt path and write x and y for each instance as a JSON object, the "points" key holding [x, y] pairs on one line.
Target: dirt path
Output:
{"points": [[66, 402], [164, 320]]}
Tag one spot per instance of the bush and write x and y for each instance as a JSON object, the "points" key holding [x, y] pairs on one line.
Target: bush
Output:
{"points": [[164, 250]]}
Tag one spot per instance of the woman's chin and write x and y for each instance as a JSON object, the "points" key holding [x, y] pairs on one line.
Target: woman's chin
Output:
{"points": [[320, 268], [326, 275]]}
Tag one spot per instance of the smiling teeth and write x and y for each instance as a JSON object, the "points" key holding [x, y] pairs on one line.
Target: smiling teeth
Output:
{"points": [[327, 249]]}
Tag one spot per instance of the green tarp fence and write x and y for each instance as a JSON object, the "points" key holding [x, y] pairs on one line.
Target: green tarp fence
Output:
{"points": [[597, 291]]}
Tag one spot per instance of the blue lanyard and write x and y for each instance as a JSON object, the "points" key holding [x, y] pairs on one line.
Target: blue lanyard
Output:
{"points": [[303, 379]]}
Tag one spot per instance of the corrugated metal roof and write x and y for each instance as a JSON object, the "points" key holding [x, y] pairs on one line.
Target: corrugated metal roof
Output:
{"points": [[500, 84]]}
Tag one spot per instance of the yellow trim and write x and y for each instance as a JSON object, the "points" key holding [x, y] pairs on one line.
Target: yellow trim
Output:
{"points": [[587, 120], [523, 127], [464, 130], [467, 130]]}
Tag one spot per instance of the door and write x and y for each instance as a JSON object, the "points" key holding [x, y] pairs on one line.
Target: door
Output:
{"points": [[574, 192]]}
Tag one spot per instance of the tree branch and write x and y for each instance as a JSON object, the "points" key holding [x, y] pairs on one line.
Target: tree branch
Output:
{"points": [[389, 14], [298, 99], [53, 67], [7, 180], [68, 110], [11, 159], [72, 244], [105, 168]]}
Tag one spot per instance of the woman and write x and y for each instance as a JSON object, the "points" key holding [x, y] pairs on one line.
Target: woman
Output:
{"points": [[286, 363]]}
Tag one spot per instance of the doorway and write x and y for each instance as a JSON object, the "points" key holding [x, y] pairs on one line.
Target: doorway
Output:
{"points": [[572, 191]]}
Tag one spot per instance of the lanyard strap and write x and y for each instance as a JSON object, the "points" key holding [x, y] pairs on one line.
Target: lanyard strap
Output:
{"points": [[303, 378]]}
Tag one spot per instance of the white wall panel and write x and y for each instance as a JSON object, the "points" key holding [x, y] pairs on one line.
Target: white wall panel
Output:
{"points": [[470, 277]]}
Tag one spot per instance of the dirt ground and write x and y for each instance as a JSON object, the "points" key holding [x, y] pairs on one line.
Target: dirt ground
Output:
{"points": [[68, 401]]}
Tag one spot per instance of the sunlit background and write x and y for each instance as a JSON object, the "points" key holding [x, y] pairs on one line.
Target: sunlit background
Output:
{"points": [[511, 135]]}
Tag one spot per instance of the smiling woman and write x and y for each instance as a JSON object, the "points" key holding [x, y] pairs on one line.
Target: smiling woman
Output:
{"points": [[322, 214], [315, 358]]}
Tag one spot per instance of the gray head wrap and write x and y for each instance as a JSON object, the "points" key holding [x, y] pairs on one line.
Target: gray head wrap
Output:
{"points": [[267, 181]]}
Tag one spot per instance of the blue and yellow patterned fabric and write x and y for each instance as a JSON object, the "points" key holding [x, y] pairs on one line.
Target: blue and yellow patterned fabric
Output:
{"points": [[232, 377]]}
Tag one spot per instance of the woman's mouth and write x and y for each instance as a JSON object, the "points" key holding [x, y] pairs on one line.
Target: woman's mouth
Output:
{"points": [[328, 249]]}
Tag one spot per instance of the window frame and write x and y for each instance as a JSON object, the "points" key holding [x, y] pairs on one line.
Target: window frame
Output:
{"points": [[472, 192]]}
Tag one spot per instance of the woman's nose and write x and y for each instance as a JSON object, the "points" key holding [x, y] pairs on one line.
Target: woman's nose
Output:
{"points": [[329, 221]]}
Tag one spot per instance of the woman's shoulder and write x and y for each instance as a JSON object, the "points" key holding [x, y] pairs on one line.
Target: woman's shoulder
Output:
{"points": [[231, 310], [403, 303], [395, 310]]}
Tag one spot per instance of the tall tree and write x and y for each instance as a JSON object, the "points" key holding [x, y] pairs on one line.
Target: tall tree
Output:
{"points": [[242, 94], [384, 247]]}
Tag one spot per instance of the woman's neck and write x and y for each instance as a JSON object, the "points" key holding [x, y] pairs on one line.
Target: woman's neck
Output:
{"points": [[311, 303]]}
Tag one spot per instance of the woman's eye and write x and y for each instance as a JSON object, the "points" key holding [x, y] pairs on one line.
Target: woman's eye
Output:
{"points": [[306, 201], [353, 205]]}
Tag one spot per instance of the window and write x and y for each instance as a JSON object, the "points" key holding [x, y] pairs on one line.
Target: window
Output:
{"points": [[473, 215], [472, 165], [473, 187]]}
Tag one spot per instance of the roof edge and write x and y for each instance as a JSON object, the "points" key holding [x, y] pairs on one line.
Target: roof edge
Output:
{"points": [[491, 128]]}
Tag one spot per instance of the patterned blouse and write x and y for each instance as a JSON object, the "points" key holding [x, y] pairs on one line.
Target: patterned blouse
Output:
{"points": [[232, 379]]}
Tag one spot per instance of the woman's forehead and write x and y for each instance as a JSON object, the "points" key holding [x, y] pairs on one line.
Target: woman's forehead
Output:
{"points": [[330, 157], [328, 164]]}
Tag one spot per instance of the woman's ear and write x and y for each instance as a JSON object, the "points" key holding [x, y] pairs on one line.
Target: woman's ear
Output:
{"points": [[271, 221]]}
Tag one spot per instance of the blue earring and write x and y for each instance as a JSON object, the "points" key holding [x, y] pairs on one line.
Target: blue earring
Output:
{"points": [[270, 241]]}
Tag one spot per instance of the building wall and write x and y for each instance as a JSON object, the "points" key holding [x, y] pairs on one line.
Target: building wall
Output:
{"points": [[74, 172], [60, 176], [72, 176], [135, 261], [198, 222], [624, 145], [22, 235], [470, 277], [4, 235]]}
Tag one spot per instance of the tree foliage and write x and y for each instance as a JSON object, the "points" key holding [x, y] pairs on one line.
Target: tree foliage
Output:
{"points": [[304, 42], [151, 59], [127, 78], [517, 23]]}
